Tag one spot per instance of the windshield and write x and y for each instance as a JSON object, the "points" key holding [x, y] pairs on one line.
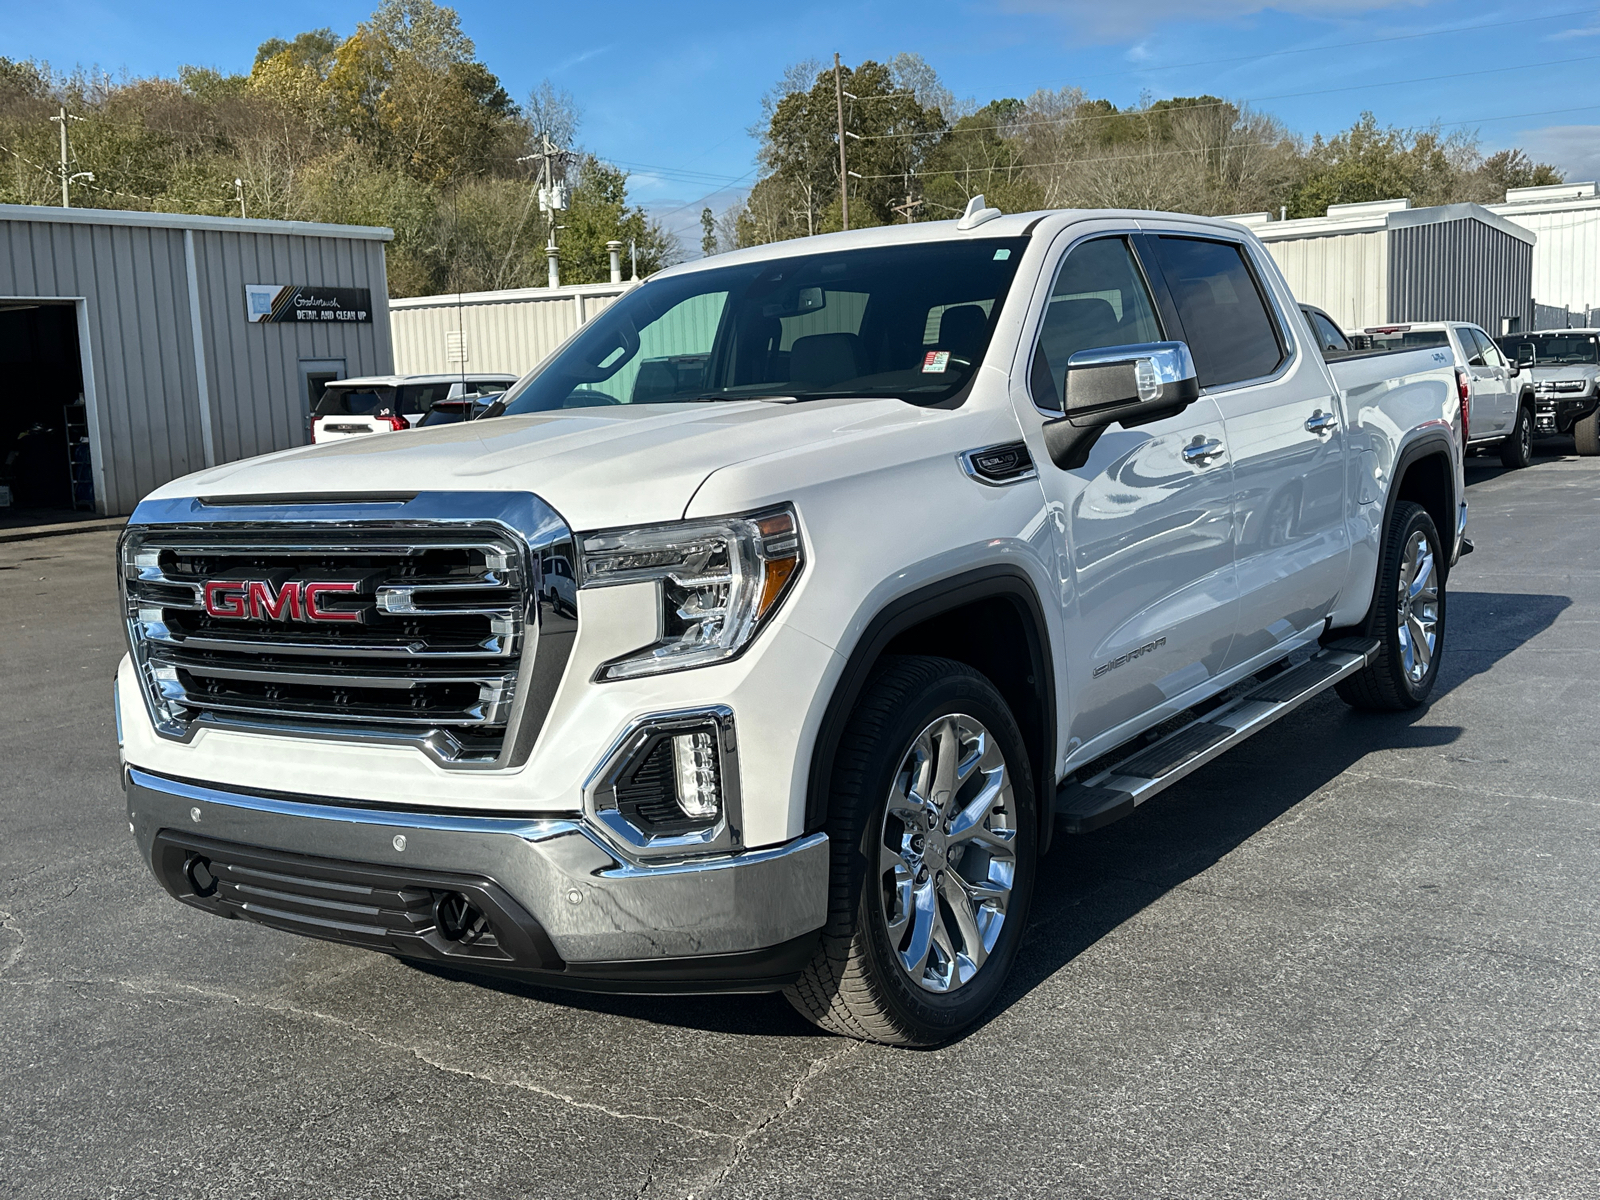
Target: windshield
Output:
{"points": [[1419, 339], [1545, 349], [910, 322]]}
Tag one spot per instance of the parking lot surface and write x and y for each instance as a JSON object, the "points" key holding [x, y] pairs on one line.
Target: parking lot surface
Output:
{"points": [[1356, 957]]}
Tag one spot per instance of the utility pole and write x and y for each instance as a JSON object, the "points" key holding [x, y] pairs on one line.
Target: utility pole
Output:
{"points": [[238, 191], [844, 172], [552, 199], [68, 176]]}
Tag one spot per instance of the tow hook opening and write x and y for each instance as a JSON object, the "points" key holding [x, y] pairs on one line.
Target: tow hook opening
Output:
{"points": [[197, 870], [457, 919]]}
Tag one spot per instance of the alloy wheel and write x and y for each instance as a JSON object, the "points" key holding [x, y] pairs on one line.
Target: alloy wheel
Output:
{"points": [[947, 853], [1418, 601]]}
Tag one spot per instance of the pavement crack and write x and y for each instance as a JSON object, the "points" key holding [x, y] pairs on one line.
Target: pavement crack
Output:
{"points": [[816, 1068], [9, 921], [177, 991]]}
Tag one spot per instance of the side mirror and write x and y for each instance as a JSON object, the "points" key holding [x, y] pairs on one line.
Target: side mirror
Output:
{"points": [[1119, 385]]}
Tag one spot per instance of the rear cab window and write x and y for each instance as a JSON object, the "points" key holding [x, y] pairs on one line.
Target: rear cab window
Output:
{"points": [[1227, 322], [1405, 338]]}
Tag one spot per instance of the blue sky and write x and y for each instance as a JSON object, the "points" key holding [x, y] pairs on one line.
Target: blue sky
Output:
{"points": [[671, 91]]}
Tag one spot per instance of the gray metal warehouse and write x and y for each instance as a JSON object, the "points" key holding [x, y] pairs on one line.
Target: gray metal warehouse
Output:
{"points": [[137, 347], [1382, 262]]}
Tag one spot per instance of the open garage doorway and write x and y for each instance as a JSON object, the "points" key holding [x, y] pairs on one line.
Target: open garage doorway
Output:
{"points": [[46, 467]]}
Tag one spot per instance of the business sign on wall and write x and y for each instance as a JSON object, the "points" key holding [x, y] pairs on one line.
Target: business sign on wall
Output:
{"points": [[275, 302]]}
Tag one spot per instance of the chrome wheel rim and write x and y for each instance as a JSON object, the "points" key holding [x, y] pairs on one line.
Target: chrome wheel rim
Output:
{"points": [[947, 853], [1527, 434], [1418, 607]]}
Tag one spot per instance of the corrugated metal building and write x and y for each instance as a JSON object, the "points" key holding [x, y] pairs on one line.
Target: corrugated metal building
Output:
{"points": [[1384, 262], [1566, 258], [138, 347], [509, 331]]}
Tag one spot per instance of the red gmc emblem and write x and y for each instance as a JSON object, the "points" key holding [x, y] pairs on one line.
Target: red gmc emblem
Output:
{"points": [[255, 599]]}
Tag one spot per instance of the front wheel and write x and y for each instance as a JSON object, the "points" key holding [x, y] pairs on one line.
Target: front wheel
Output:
{"points": [[1517, 450], [1586, 434], [933, 828], [1409, 618]]}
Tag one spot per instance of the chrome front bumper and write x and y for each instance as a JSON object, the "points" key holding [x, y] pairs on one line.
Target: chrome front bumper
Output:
{"points": [[574, 914]]}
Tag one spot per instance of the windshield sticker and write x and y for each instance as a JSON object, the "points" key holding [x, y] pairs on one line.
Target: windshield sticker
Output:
{"points": [[935, 362]]}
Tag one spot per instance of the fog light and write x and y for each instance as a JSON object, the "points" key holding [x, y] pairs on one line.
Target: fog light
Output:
{"points": [[694, 759]]}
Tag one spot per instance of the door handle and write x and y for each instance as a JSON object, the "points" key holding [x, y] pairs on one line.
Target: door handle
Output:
{"points": [[1202, 451], [1320, 422]]}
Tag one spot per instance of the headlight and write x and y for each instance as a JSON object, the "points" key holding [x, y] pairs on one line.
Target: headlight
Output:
{"points": [[718, 581]]}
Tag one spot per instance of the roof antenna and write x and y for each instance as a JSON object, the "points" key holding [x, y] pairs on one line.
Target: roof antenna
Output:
{"points": [[977, 214]]}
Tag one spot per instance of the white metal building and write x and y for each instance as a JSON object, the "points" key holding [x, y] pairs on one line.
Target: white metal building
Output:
{"points": [[510, 331], [138, 347], [1384, 261], [1566, 258]]}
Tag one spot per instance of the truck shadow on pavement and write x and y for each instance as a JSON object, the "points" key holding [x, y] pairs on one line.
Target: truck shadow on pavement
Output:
{"points": [[1090, 885]]}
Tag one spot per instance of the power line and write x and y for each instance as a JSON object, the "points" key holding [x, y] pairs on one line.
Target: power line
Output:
{"points": [[1063, 162], [1359, 87]]}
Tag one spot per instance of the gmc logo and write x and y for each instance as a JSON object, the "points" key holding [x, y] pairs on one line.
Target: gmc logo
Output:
{"points": [[255, 599]]}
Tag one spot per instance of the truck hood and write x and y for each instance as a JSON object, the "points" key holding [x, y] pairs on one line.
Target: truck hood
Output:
{"points": [[1585, 371], [627, 464]]}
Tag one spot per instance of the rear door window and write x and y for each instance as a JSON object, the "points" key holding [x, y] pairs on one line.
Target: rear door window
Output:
{"points": [[1230, 331], [1330, 337], [1470, 345], [1099, 299]]}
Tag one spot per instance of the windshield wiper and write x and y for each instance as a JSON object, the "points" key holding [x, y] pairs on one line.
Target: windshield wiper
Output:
{"points": [[712, 396]]}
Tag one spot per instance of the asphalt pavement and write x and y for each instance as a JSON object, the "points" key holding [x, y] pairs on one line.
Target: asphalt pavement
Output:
{"points": [[1356, 957]]}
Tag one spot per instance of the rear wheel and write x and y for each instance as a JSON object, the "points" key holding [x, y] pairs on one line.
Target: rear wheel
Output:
{"points": [[1586, 434], [933, 828], [1517, 450], [1410, 617]]}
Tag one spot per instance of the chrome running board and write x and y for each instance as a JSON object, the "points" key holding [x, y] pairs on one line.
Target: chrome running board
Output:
{"points": [[1115, 791]]}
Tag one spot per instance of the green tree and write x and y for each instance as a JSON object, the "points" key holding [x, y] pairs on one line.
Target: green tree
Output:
{"points": [[893, 117]]}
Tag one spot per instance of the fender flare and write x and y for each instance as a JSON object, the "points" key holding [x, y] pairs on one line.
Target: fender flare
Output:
{"points": [[1429, 442], [902, 613]]}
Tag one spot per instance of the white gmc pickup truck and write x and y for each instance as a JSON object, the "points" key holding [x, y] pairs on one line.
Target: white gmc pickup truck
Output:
{"points": [[787, 613]]}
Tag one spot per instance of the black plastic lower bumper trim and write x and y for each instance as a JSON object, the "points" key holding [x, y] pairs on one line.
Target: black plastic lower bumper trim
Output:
{"points": [[412, 913]]}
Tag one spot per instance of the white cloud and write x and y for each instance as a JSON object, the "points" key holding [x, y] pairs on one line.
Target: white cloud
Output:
{"points": [[1113, 22], [1575, 149]]}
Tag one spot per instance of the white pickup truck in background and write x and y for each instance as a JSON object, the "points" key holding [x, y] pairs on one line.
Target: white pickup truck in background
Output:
{"points": [[790, 611], [1496, 395]]}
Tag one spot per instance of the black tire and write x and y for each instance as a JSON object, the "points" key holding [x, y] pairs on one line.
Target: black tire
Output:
{"points": [[857, 984], [1389, 683], [1517, 450], [1586, 434]]}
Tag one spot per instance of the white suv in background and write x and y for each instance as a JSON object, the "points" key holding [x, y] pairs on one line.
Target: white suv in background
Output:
{"points": [[382, 403], [1496, 399]]}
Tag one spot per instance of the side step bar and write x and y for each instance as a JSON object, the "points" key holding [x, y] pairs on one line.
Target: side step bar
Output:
{"points": [[1115, 792]]}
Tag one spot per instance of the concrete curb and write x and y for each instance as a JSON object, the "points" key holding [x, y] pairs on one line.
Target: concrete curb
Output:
{"points": [[28, 533]]}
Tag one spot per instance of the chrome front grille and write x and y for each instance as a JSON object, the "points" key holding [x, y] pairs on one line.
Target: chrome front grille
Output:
{"points": [[397, 620]]}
